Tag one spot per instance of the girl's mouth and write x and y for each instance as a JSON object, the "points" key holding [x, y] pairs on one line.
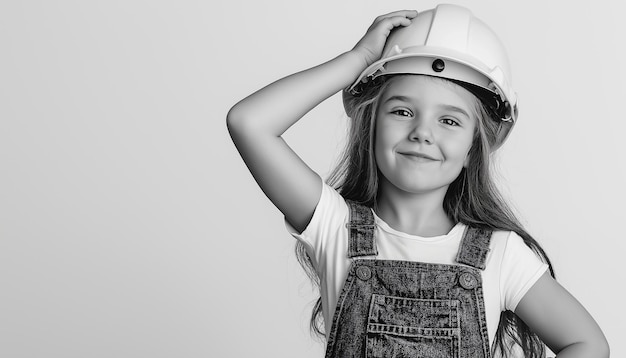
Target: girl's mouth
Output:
{"points": [[421, 157]]}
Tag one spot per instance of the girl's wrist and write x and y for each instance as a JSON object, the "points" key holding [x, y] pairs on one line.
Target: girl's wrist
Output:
{"points": [[358, 61], [355, 63]]}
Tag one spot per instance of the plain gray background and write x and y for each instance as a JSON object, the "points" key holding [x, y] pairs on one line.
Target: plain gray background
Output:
{"points": [[130, 227]]}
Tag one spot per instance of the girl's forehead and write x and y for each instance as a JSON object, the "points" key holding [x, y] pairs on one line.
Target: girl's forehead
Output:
{"points": [[422, 88]]}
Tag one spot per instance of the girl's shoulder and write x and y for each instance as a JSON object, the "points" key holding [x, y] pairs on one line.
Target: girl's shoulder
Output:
{"points": [[501, 238], [330, 215], [516, 266], [509, 248], [508, 242]]}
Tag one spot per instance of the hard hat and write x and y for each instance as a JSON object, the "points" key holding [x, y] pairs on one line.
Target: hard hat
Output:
{"points": [[450, 42]]}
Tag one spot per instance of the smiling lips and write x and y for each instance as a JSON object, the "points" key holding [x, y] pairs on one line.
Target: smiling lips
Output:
{"points": [[417, 156]]}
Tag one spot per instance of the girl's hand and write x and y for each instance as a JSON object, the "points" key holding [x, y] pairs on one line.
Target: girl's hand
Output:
{"points": [[257, 123], [372, 44]]}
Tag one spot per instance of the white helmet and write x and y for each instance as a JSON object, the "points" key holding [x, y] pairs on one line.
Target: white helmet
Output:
{"points": [[449, 42]]}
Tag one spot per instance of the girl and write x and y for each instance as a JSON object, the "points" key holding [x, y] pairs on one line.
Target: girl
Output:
{"points": [[414, 250]]}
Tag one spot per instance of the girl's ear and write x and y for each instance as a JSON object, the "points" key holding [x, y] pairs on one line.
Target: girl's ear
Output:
{"points": [[466, 161]]}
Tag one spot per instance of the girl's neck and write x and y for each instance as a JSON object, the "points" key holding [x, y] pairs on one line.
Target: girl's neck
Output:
{"points": [[415, 214]]}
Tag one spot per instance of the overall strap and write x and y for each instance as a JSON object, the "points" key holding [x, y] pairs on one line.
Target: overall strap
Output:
{"points": [[474, 247], [360, 231]]}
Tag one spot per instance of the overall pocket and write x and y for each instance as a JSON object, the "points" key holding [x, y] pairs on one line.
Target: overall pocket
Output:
{"points": [[411, 327]]}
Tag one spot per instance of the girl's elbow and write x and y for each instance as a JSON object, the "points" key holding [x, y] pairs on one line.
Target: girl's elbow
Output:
{"points": [[235, 119], [242, 121], [600, 344], [593, 347], [238, 123], [600, 349], [603, 348]]}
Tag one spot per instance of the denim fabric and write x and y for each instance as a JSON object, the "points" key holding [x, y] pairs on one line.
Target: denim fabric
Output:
{"points": [[390, 308], [361, 231]]}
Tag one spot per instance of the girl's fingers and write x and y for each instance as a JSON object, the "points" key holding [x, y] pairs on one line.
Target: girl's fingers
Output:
{"points": [[409, 14], [398, 20], [391, 22], [372, 43]]}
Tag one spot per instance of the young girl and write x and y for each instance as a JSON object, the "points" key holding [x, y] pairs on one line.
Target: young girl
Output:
{"points": [[415, 252]]}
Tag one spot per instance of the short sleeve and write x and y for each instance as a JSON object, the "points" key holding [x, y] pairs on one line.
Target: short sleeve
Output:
{"points": [[520, 270], [322, 235]]}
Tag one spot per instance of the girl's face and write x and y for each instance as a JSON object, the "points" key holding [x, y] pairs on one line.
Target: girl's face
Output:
{"points": [[424, 130]]}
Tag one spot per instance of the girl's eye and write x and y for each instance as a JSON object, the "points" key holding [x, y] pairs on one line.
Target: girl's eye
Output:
{"points": [[402, 112], [449, 121]]}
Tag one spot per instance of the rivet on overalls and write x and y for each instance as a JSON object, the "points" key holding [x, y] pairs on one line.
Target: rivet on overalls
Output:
{"points": [[468, 281], [364, 273]]}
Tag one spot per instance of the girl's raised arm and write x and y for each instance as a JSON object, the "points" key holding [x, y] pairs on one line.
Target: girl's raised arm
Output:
{"points": [[257, 123], [561, 321]]}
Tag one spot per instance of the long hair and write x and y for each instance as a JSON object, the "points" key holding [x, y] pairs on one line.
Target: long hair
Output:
{"points": [[472, 199]]}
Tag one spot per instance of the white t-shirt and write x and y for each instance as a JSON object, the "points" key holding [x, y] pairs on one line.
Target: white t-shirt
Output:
{"points": [[511, 267]]}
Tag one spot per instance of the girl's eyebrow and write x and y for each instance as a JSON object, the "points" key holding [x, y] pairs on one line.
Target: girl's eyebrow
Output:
{"points": [[452, 108], [398, 98], [447, 107]]}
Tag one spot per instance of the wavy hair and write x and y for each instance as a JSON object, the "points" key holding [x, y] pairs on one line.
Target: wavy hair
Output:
{"points": [[472, 199]]}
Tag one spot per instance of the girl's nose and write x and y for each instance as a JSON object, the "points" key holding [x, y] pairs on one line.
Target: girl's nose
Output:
{"points": [[421, 132]]}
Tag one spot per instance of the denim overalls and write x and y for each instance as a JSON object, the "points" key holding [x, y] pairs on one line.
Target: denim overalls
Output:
{"points": [[390, 308]]}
